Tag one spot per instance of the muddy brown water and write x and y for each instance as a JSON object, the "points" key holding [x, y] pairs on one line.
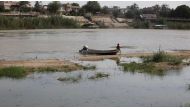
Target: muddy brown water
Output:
{"points": [[119, 89]]}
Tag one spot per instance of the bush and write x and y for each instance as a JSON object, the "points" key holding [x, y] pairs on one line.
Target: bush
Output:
{"points": [[161, 56], [13, 72], [178, 25]]}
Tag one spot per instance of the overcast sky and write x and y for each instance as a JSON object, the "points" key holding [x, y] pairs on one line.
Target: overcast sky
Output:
{"points": [[123, 4]]}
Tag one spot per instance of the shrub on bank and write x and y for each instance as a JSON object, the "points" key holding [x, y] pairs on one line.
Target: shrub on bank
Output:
{"points": [[37, 23], [140, 24], [161, 56], [178, 25]]}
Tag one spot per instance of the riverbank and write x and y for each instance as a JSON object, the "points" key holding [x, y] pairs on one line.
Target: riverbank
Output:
{"points": [[52, 22], [12, 68], [183, 54], [37, 63]]}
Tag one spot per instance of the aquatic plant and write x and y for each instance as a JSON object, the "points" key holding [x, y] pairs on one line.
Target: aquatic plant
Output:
{"points": [[162, 56], [71, 79], [178, 25], [99, 75], [89, 67], [63, 68], [13, 72], [143, 68]]}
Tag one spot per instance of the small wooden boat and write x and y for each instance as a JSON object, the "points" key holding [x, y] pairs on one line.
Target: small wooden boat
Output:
{"points": [[99, 52]]}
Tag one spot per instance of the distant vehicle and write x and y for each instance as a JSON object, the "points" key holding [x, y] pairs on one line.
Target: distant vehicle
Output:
{"points": [[160, 26], [90, 25]]}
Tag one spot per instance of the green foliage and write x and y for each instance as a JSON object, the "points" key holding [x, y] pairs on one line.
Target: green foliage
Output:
{"points": [[75, 4], [178, 25], [13, 72], [181, 11], [92, 7], [37, 6], [140, 24], [165, 10], [2, 8], [53, 7], [116, 11], [161, 56], [88, 67], [143, 68], [133, 11], [70, 79], [99, 75], [37, 23], [105, 10], [23, 3], [23, 6]]}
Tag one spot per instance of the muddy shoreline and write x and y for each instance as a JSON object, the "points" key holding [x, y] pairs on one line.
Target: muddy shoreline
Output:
{"points": [[183, 54], [43, 63]]}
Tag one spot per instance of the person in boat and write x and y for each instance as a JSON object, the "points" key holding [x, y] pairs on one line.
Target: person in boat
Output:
{"points": [[85, 47], [118, 48]]}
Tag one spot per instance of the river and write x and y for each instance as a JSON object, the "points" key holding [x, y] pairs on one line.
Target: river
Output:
{"points": [[119, 89]]}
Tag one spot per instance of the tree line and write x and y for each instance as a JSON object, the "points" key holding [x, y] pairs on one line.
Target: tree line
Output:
{"points": [[93, 7]]}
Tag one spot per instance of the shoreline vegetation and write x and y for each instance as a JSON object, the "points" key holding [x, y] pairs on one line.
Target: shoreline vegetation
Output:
{"points": [[154, 63], [59, 22], [57, 15], [52, 22]]}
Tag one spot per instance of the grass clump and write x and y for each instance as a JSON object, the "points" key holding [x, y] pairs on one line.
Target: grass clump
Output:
{"points": [[156, 64], [99, 75], [64, 68], [143, 68], [161, 56], [13, 72], [89, 67]]}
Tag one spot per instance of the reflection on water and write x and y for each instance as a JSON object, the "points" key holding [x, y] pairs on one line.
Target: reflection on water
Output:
{"points": [[119, 89]]}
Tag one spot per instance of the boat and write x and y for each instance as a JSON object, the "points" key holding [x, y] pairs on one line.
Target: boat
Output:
{"points": [[99, 52]]}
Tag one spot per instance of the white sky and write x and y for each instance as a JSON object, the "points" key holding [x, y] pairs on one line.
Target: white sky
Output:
{"points": [[123, 4]]}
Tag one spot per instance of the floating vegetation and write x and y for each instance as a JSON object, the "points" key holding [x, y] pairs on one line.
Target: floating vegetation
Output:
{"points": [[99, 75], [64, 68], [70, 79], [13, 72], [143, 68], [89, 67]]}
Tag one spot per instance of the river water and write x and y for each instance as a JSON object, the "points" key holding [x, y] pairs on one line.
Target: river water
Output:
{"points": [[119, 89], [65, 43]]}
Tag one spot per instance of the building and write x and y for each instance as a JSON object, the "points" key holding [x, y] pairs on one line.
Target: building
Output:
{"points": [[67, 8], [7, 5], [148, 16]]}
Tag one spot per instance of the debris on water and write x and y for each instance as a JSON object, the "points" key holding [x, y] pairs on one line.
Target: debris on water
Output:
{"points": [[89, 67], [70, 79], [99, 75]]}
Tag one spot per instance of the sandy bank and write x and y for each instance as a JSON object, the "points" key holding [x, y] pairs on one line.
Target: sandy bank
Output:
{"points": [[184, 54], [51, 63]]}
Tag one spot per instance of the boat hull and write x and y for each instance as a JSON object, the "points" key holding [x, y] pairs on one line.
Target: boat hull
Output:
{"points": [[99, 52]]}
